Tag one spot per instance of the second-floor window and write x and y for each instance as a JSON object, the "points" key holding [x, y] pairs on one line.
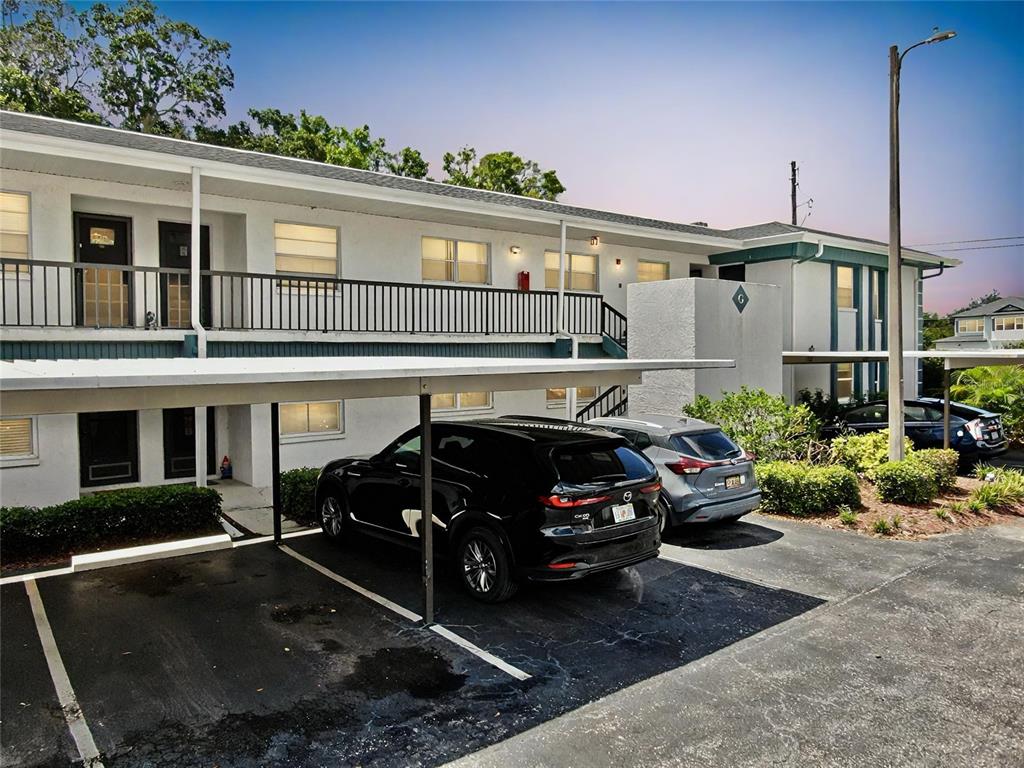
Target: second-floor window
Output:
{"points": [[14, 218], [1008, 323], [971, 325], [650, 271], [580, 271], [305, 249], [876, 294], [461, 401], [844, 287], [455, 261], [317, 418]]}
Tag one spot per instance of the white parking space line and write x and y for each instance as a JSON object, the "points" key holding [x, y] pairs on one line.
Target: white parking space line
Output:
{"points": [[61, 682], [476, 650], [403, 612], [444, 632]]}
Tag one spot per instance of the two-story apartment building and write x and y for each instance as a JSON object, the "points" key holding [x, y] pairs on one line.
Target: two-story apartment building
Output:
{"points": [[993, 325], [299, 258]]}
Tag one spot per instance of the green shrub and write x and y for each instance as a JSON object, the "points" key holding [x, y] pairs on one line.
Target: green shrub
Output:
{"points": [[847, 516], [298, 494], [999, 389], [943, 514], [905, 481], [942, 462], [803, 489], [1005, 490], [976, 505], [863, 453], [882, 526], [766, 425], [106, 519]]}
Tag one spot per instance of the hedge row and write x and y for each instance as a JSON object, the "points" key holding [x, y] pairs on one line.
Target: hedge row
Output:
{"points": [[803, 489], [298, 494], [112, 518]]}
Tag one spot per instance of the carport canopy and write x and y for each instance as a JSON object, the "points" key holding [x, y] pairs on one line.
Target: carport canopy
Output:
{"points": [[952, 360], [35, 387]]}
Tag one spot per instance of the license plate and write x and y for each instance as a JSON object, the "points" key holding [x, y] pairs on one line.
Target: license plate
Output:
{"points": [[623, 512], [735, 481]]}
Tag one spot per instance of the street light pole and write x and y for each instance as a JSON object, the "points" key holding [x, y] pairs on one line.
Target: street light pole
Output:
{"points": [[894, 281]]}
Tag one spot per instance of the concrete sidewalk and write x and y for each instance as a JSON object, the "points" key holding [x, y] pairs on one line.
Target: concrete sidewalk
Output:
{"points": [[917, 660]]}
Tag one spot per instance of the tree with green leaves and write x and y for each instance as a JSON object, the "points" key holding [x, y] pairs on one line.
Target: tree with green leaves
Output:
{"points": [[501, 172], [45, 60], [312, 137], [126, 65], [154, 74]]}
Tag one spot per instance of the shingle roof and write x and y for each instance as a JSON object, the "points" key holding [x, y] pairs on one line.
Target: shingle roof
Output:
{"points": [[44, 126], [1009, 304], [16, 121]]}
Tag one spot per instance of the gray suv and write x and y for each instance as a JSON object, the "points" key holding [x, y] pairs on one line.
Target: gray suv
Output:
{"points": [[705, 476]]}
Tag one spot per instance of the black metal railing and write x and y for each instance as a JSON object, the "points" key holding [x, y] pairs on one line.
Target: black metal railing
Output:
{"points": [[54, 294], [613, 324], [612, 402]]}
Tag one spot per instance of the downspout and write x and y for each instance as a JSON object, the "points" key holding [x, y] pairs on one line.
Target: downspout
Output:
{"points": [[570, 392], [195, 283]]}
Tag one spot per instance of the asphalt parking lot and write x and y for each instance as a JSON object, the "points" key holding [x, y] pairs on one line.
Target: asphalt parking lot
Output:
{"points": [[257, 656]]}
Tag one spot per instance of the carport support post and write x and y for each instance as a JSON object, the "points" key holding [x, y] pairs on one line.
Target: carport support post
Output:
{"points": [[945, 405], [275, 467], [427, 511]]}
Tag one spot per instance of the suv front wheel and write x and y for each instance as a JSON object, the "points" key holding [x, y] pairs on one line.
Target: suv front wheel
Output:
{"points": [[484, 567]]}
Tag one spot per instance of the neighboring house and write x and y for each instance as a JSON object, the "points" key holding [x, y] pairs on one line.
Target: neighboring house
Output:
{"points": [[991, 326], [300, 258]]}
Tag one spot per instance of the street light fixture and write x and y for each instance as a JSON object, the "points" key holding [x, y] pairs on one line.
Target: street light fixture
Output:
{"points": [[894, 283]]}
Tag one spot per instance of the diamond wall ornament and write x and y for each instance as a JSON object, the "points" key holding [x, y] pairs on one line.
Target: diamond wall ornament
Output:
{"points": [[740, 299]]}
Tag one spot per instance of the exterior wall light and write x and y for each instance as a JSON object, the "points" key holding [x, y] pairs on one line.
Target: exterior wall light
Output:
{"points": [[618, 263], [595, 241], [515, 250]]}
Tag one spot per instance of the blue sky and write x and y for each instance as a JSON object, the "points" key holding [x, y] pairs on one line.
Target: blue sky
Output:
{"points": [[687, 111]]}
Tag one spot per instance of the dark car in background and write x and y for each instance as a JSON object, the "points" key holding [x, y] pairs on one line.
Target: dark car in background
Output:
{"points": [[514, 498], [976, 433], [705, 476]]}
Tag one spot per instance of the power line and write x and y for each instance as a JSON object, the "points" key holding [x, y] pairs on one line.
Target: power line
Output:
{"points": [[980, 248], [961, 242]]}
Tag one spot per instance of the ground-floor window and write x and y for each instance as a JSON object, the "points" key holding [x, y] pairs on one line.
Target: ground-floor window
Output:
{"points": [[556, 395], [461, 401], [315, 418], [580, 271], [17, 440], [108, 447], [844, 381]]}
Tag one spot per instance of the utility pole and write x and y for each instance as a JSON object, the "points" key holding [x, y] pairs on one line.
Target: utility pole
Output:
{"points": [[792, 188]]}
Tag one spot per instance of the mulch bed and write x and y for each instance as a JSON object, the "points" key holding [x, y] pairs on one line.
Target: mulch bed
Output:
{"points": [[917, 521]]}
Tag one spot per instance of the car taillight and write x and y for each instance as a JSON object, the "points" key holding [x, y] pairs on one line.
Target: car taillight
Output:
{"points": [[687, 465], [974, 428], [652, 488], [561, 566], [565, 502]]}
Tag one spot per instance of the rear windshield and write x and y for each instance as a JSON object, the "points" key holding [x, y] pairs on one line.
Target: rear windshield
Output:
{"points": [[608, 464], [713, 446]]}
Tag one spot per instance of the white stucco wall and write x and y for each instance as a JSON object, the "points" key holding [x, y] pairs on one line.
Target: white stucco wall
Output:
{"points": [[697, 318], [51, 478]]}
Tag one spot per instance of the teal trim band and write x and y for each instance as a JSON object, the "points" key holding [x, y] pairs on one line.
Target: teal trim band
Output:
{"points": [[804, 251], [89, 350]]}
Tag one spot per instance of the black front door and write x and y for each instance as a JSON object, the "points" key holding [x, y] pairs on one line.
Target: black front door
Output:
{"points": [[108, 447], [175, 296], [103, 295], [180, 442]]}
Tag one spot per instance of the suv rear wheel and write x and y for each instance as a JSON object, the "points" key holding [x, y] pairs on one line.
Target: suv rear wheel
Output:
{"points": [[484, 566], [665, 516]]}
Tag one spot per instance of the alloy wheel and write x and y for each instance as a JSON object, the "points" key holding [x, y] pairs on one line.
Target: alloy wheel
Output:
{"points": [[479, 565], [330, 515]]}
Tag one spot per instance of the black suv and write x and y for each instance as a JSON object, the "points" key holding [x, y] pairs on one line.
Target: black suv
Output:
{"points": [[514, 498]]}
